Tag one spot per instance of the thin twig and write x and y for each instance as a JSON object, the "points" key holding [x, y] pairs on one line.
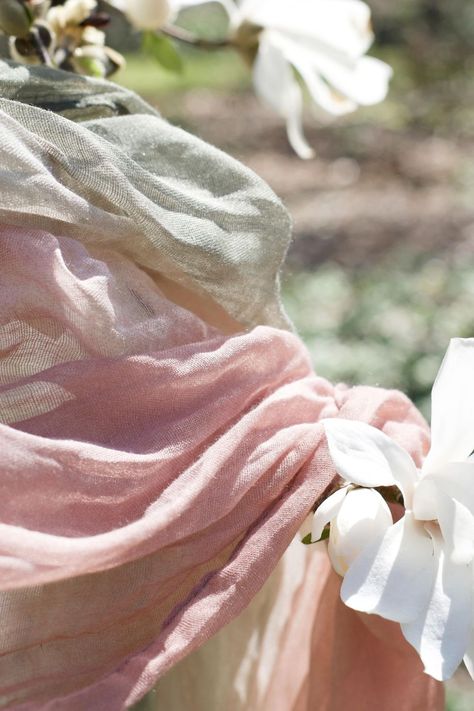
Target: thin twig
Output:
{"points": [[181, 35]]}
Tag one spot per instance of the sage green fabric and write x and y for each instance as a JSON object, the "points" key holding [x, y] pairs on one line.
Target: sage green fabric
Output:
{"points": [[108, 170]]}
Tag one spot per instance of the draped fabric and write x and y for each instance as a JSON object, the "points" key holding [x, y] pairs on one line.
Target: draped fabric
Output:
{"points": [[297, 647], [160, 435], [129, 180]]}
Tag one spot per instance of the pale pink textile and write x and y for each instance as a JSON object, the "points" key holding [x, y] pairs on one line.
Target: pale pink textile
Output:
{"points": [[153, 471], [296, 647]]}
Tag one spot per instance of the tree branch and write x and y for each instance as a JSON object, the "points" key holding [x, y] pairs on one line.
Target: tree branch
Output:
{"points": [[181, 35]]}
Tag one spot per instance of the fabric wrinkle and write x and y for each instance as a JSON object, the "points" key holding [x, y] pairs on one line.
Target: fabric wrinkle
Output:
{"points": [[160, 431]]}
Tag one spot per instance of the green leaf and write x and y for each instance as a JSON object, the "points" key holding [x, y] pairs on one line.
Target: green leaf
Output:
{"points": [[163, 50], [324, 536]]}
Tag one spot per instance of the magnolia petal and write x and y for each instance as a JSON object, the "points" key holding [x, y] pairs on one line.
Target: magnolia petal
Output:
{"points": [[394, 576], [366, 83], [342, 28], [276, 85], [457, 526], [322, 94], [440, 634], [452, 430], [362, 517], [364, 455], [425, 500], [455, 481], [326, 512], [361, 80]]}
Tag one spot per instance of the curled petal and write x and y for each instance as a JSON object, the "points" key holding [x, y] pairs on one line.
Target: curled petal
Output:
{"points": [[341, 28], [366, 456], [322, 94], [440, 633], [365, 82], [326, 512], [362, 517], [394, 576], [362, 81], [276, 85], [454, 481], [452, 431]]}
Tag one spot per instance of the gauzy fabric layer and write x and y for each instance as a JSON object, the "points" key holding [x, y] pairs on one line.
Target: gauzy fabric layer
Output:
{"points": [[173, 204], [157, 461]]}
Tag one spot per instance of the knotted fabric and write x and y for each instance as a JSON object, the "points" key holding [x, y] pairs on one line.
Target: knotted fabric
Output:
{"points": [[160, 436]]}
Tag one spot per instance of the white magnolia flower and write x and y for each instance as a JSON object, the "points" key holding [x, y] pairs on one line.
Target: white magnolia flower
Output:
{"points": [[325, 42], [418, 571], [357, 516]]}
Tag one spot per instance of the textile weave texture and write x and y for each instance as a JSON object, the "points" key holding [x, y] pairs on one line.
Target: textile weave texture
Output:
{"points": [[160, 436]]}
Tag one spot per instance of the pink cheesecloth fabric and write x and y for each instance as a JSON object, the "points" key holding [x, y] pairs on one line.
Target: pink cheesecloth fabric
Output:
{"points": [[160, 436], [153, 473]]}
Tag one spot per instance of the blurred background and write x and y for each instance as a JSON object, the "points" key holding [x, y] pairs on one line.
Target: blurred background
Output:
{"points": [[380, 273]]}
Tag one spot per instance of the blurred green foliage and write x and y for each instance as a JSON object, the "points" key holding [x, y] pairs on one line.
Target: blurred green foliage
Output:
{"points": [[216, 71], [388, 326]]}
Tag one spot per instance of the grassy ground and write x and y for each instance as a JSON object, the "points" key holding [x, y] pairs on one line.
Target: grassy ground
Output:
{"points": [[381, 271]]}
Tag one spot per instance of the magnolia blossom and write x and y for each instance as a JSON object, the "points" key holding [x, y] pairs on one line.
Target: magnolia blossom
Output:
{"points": [[322, 41], [419, 570], [357, 516], [325, 42]]}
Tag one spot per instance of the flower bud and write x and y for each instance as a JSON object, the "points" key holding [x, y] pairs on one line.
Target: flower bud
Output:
{"points": [[15, 18], [362, 517], [148, 14], [96, 61]]}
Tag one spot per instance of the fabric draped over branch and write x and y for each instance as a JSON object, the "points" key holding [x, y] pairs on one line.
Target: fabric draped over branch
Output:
{"points": [[156, 459]]}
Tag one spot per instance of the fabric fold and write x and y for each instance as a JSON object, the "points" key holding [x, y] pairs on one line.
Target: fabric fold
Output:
{"points": [[160, 436], [134, 183]]}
